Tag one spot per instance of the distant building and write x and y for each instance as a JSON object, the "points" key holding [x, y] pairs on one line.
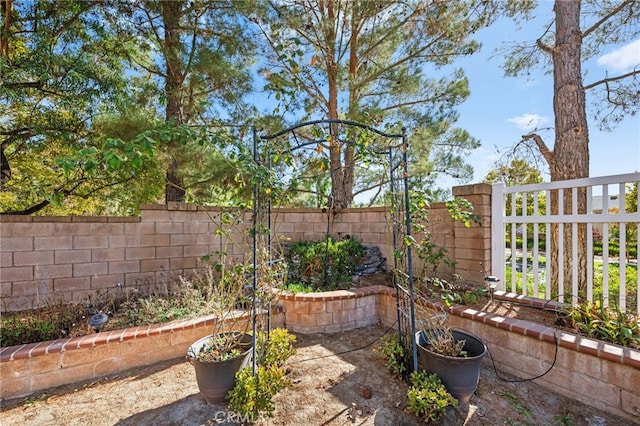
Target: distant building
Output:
{"points": [[597, 204], [597, 207]]}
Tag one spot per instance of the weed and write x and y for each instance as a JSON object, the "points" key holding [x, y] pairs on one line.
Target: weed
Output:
{"points": [[565, 420], [514, 401], [393, 351], [33, 401]]}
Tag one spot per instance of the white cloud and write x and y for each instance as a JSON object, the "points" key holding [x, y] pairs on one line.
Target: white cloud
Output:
{"points": [[623, 58], [528, 121]]}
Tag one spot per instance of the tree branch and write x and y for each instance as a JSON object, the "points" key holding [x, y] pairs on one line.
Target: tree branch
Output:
{"points": [[544, 150], [610, 79], [22, 85], [605, 18]]}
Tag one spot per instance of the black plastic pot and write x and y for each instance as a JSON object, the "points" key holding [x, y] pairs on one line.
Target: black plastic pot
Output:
{"points": [[216, 378], [460, 375]]}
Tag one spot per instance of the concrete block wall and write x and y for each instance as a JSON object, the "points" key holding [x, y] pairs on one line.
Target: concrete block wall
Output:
{"points": [[74, 257]]}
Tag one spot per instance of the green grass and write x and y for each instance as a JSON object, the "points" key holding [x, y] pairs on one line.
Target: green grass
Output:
{"points": [[614, 247], [631, 281]]}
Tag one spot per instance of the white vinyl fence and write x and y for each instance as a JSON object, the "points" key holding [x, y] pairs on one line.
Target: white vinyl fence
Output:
{"points": [[522, 214]]}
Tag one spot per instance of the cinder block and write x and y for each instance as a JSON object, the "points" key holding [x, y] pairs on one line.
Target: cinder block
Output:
{"points": [[107, 255], [90, 241], [62, 285], [135, 253], [44, 272], [23, 273], [16, 244], [71, 256], [53, 243], [126, 266], [90, 269]]}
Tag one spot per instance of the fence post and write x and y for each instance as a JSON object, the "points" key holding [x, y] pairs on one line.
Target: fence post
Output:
{"points": [[472, 246], [497, 233]]}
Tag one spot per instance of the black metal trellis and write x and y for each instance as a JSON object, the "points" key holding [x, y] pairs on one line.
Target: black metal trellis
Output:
{"points": [[300, 138]]}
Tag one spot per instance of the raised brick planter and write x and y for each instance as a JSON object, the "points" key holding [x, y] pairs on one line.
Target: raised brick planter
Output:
{"points": [[603, 375], [31, 368], [339, 310]]}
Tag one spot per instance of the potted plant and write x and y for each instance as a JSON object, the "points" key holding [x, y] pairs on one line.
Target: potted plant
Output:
{"points": [[217, 357], [454, 355]]}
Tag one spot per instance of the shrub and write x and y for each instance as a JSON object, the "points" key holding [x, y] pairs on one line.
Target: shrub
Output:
{"points": [[393, 351], [427, 397], [325, 265], [253, 394], [611, 325]]}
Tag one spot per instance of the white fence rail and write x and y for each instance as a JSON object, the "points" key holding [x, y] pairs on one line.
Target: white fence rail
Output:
{"points": [[521, 230]]}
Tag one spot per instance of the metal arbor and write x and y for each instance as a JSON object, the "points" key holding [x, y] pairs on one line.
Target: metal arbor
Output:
{"points": [[296, 161]]}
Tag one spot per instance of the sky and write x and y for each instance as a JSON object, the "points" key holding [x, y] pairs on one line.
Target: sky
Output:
{"points": [[502, 109]]}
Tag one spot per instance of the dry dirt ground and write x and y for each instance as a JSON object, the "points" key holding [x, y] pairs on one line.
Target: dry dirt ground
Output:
{"points": [[337, 380]]}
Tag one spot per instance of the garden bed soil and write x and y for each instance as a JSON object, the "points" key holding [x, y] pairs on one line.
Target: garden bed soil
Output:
{"points": [[337, 379]]}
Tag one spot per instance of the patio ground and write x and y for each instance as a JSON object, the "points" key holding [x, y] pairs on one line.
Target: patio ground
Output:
{"points": [[337, 380]]}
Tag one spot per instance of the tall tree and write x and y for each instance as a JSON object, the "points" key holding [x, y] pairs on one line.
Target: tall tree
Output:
{"points": [[580, 33], [378, 62], [200, 58], [60, 67]]}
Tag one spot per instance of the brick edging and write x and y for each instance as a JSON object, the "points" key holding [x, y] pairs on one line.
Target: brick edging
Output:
{"points": [[598, 348], [337, 294], [13, 353]]}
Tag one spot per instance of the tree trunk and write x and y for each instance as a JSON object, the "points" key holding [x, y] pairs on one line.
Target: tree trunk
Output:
{"points": [[341, 172], [171, 11], [571, 148]]}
